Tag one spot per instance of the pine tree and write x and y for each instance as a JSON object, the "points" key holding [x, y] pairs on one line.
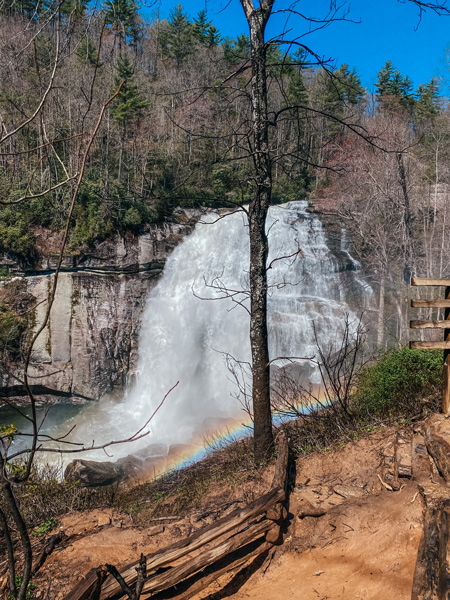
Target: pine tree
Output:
{"points": [[385, 76], [427, 100], [177, 36], [87, 53], [213, 36], [236, 51], [201, 27], [130, 105], [343, 88], [204, 31], [121, 16], [394, 92]]}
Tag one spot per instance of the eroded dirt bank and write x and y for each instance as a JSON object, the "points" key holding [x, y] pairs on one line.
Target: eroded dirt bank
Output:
{"points": [[362, 544]]}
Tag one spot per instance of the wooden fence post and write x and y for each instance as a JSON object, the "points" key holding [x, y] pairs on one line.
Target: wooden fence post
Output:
{"points": [[445, 325], [445, 374]]}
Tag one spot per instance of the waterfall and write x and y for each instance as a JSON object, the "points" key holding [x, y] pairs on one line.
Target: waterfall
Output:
{"points": [[188, 324]]}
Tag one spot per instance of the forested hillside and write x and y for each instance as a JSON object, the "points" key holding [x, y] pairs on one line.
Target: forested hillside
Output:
{"points": [[178, 134]]}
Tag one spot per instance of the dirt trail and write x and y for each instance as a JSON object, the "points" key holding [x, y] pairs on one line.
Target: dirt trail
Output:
{"points": [[364, 546]]}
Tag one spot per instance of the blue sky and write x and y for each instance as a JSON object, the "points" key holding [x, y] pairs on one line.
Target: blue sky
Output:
{"points": [[389, 30]]}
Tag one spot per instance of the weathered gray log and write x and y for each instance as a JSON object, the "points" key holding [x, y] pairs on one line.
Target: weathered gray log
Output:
{"points": [[101, 575], [420, 460], [430, 303], [428, 324], [233, 521], [430, 345], [204, 559], [84, 587]]}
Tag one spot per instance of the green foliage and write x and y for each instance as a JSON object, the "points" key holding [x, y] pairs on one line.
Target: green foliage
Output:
{"points": [[4, 273], [236, 51], [400, 379], [394, 91], [204, 31], [87, 53], [129, 106], [14, 236], [121, 16], [73, 7], [344, 88], [46, 527], [178, 36], [427, 100], [12, 329], [90, 227], [30, 587], [7, 432]]}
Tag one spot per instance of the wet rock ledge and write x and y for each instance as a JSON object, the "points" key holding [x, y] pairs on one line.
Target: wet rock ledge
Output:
{"points": [[90, 344]]}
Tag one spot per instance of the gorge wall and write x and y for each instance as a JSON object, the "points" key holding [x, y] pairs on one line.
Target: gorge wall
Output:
{"points": [[90, 346]]}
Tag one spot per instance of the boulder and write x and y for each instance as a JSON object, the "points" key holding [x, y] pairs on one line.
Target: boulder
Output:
{"points": [[131, 465], [91, 473]]}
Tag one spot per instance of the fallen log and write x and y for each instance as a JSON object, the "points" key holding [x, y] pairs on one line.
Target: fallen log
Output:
{"points": [[101, 574], [431, 572], [177, 574], [171, 554], [176, 551], [279, 478], [202, 580], [48, 548]]}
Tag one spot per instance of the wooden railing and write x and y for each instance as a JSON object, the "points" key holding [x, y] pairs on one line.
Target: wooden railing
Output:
{"points": [[444, 324], [239, 536]]}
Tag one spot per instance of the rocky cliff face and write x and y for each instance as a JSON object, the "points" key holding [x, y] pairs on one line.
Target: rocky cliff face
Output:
{"points": [[90, 344]]}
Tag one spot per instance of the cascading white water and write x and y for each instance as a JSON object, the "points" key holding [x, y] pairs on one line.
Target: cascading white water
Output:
{"points": [[186, 328]]}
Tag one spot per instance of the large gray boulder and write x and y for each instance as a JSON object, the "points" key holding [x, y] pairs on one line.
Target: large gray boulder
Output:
{"points": [[91, 473]]}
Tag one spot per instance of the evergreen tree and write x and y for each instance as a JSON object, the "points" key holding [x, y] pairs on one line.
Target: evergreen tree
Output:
{"points": [[204, 31], [427, 100], [236, 51], [201, 27], [130, 105], [394, 91], [73, 8], [30, 8], [177, 36], [87, 53], [121, 16], [343, 88], [213, 36], [385, 80]]}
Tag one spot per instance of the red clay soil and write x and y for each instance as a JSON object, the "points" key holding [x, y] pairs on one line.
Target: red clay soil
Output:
{"points": [[363, 547]]}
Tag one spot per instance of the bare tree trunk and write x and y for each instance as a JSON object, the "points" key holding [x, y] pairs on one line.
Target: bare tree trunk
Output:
{"points": [[380, 324], [407, 220], [259, 206]]}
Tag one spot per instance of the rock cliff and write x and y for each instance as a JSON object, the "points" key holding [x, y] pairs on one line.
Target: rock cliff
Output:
{"points": [[90, 344]]}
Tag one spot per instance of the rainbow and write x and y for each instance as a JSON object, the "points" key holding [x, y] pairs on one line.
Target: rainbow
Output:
{"points": [[200, 446]]}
